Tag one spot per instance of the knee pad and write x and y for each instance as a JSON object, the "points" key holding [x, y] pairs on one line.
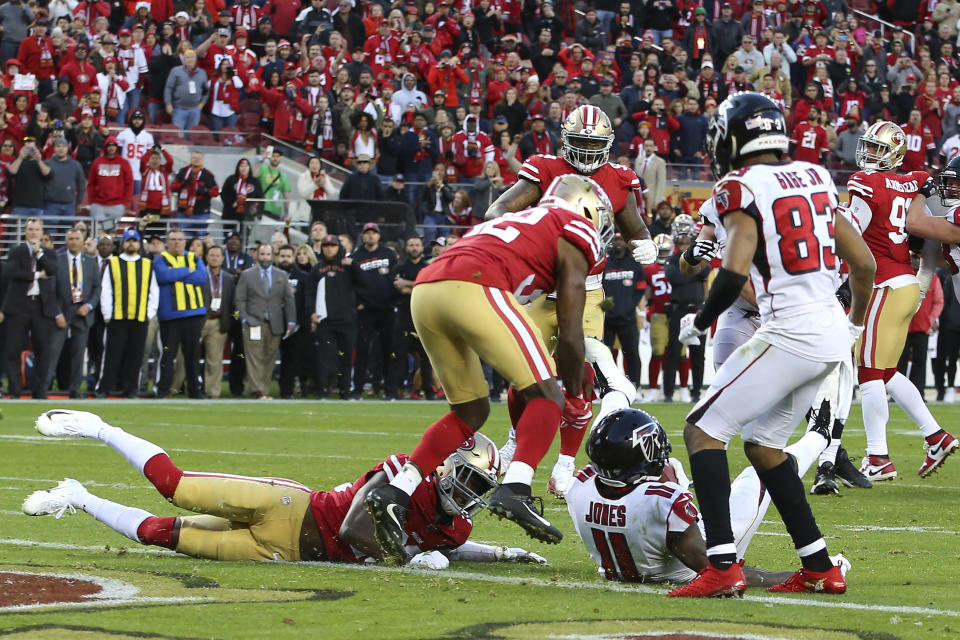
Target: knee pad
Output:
{"points": [[608, 374]]}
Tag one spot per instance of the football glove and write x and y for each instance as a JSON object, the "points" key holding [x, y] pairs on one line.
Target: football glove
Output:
{"points": [[516, 554], [645, 251], [430, 560], [577, 413], [705, 250], [855, 330], [689, 334]]}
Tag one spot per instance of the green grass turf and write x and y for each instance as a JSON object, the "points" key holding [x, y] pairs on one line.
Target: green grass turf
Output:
{"points": [[324, 444]]}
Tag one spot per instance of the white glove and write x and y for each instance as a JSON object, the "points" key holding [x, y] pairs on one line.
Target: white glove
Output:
{"points": [[855, 331], [689, 334], [644, 251], [516, 554], [840, 561], [430, 560], [682, 478], [705, 250]]}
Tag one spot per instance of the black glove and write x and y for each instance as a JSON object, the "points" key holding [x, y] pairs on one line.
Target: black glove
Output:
{"points": [[844, 295]]}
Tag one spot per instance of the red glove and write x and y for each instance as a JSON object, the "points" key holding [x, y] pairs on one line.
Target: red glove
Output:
{"points": [[577, 412]]}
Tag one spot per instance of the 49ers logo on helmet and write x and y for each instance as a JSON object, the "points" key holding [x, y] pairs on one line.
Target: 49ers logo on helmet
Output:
{"points": [[467, 444]]}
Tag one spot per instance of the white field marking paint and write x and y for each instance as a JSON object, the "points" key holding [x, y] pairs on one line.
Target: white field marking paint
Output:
{"points": [[106, 603], [313, 431], [539, 582], [62, 546], [655, 634], [68, 442], [112, 485], [869, 527], [635, 588]]}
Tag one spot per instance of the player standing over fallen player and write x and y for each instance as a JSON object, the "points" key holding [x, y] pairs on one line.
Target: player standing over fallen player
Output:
{"points": [[782, 231], [586, 138], [467, 306], [880, 199]]}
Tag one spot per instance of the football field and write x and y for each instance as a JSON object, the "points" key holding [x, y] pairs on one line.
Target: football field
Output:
{"points": [[903, 538]]}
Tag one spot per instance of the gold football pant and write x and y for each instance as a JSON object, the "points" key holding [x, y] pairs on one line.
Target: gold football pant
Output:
{"points": [[885, 330], [543, 312]]}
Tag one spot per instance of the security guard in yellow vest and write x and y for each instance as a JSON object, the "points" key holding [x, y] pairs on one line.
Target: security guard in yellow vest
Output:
{"points": [[128, 297], [181, 312]]}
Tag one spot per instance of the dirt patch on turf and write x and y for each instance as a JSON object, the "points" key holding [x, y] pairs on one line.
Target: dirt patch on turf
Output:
{"points": [[18, 589]]}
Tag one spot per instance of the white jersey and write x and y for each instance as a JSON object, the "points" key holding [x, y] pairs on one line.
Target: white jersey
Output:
{"points": [[794, 270], [708, 211], [951, 147], [625, 530], [133, 146]]}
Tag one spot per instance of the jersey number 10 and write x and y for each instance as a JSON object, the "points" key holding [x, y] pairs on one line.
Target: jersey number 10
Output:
{"points": [[800, 250]]}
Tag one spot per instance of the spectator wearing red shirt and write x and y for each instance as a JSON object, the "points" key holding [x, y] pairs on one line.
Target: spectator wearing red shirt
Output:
{"points": [[809, 139], [852, 96], [381, 49], [662, 124], [110, 185], [290, 110], [446, 27], [810, 99], [572, 58], [820, 51], [36, 56], [930, 111], [283, 12], [472, 149], [920, 145], [91, 10], [245, 15], [82, 74]]}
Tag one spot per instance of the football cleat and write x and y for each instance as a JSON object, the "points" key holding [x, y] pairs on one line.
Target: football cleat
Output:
{"points": [[806, 581], [938, 446], [848, 473], [65, 423], [878, 468], [519, 507], [508, 449], [387, 506], [714, 583], [684, 394], [825, 482], [652, 395], [66, 497], [561, 478]]}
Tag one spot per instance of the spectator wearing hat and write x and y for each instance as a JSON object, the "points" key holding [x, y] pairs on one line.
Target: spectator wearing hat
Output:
{"points": [[212, 51], [135, 142], [132, 64], [444, 76], [65, 188], [905, 98], [313, 19], [821, 51], [113, 90], [698, 37], [89, 140], [726, 33], [61, 103], [537, 141], [331, 301], [382, 49], [349, 24], [419, 150], [110, 185], [78, 288], [185, 92], [376, 297], [396, 190], [77, 68], [259, 39], [472, 149], [289, 108], [590, 32], [361, 184]]}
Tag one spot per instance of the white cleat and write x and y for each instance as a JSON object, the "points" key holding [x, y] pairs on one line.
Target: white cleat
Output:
{"points": [[65, 497], [561, 478], [684, 394], [65, 423], [950, 396], [508, 449], [652, 395]]}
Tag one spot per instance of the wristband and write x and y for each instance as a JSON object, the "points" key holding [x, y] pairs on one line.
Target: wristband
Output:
{"points": [[689, 257]]}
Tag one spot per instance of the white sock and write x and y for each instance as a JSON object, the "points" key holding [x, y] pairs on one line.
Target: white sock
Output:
{"points": [[134, 450], [408, 479], [876, 413], [830, 453], [908, 397], [120, 518], [519, 472], [562, 459], [806, 450], [613, 401]]}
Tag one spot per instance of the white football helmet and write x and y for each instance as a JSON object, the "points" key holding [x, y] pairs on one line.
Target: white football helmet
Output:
{"points": [[882, 147], [664, 247], [586, 137], [582, 195], [683, 225], [467, 475]]}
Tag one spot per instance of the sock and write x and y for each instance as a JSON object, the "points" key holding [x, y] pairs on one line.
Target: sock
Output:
{"points": [[439, 440], [164, 475], [684, 370], [806, 450], [875, 415], [514, 406], [613, 401], [408, 479], [711, 480], [519, 473], [908, 397], [829, 454], [157, 531], [656, 364], [787, 493], [134, 450], [570, 439], [535, 431], [120, 518]]}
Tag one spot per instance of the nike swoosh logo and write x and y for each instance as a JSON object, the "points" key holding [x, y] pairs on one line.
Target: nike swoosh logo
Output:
{"points": [[934, 451], [390, 512], [872, 473]]}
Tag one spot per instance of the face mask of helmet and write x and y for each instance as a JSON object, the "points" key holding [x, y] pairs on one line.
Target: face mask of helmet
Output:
{"points": [[466, 476], [586, 153], [948, 184], [628, 447], [683, 225], [664, 247], [875, 155]]}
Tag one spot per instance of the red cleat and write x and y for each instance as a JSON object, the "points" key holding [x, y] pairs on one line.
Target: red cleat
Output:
{"points": [[806, 581], [938, 446], [714, 583]]}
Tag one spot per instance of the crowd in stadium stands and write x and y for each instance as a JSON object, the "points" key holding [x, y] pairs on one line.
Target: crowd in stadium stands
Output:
{"points": [[432, 103]]}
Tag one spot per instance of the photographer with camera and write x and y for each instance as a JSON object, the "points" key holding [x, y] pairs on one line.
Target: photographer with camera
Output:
{"points": [[30, 173], [225, 96], [472, 149]]}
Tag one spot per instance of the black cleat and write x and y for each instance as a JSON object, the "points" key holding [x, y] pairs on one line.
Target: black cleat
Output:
{"points": [[825, 482], [387, 505], [848, 473], [514, 502]]}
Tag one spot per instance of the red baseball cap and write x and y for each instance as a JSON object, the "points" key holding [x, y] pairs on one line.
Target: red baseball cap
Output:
{"points": [[289, 65], [241, 33]]}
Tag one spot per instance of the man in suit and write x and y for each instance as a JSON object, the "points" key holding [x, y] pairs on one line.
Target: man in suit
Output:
{"points": [[235, 262], [219, 292], [105, 249], [78, 288], [31, 307], [653, 169], [268, 313]]}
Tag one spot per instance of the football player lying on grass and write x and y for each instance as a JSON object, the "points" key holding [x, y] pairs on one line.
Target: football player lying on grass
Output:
{"points": [[632, 510], [244, 518]]}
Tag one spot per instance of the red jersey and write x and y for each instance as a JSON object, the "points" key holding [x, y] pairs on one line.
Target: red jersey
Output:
{"points": [[517, 252], [423, 528], [812, 53], [810, 142], [879, 202], [919, 144], [616, 179], [659, 286]]}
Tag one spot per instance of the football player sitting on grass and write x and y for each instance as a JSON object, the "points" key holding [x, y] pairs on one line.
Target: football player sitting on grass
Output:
{"points": [[245, 518]]}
